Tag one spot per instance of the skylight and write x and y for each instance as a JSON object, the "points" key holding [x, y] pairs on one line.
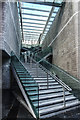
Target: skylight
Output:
{"points": [[34, 19]]}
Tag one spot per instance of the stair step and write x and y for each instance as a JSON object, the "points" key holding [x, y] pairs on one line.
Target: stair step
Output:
{"points": [[44, 97], [53, 101], [35, 75], [51, 111], [51, 98], [47, 93], [24, 76], [39, 71], [17, 69], [28, 81], [50, 87], [31, 89], [49, 84], [31, 81], [20, 73], [43, 78], [30, 85], [41, 85]]}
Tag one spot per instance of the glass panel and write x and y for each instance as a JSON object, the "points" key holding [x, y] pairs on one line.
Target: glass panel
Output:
{"points": [[58, 1], [32, 31], [40, 29], [35, 12], [28, 84], [46, 0], [29, 24], [34, 21], [56, 9], [53, 14], [36, 17], [40, 7], [70, 80]]}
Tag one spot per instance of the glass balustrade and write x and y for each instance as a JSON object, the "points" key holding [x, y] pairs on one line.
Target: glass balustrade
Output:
{"points": [[64, 76], [28, 83]]}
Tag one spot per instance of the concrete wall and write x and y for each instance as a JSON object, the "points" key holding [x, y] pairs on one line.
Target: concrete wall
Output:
{"points": [[78, 43], [6, 73], [11, 29], [10, 38], [65, 46]]}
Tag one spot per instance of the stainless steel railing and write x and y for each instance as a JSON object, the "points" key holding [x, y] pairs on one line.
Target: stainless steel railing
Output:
{"points": [[64, 86]]}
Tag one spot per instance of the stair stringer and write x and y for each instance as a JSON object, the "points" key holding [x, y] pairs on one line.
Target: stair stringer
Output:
{"points": [[29, 107]]}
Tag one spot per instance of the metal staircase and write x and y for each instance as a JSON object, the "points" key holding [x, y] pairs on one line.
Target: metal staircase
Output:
{"points": [[53, 97], [44, 93]]}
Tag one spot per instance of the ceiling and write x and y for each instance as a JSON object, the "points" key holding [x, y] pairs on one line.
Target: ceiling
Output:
{"points": [[36, 18]]}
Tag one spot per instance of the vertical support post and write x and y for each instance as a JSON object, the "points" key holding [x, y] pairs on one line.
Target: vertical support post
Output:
{"points": [[36, 69], [64, 101], [29, 56], [47, 80], [31, 60], [26, 58], [38, 101]]}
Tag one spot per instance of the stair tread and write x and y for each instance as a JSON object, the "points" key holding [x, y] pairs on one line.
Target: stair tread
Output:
{"points": [[28, 81], [50, 99], [42, 84], [57, 86], [43, 78], [45, 92], [31, 89], [54, 108], [61, 110], [42, 97], [54, 101], [31, 84]]}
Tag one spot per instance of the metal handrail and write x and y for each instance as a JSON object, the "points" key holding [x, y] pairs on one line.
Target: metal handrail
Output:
{"points": [[64, 86], [66, 73], [53, 76]]}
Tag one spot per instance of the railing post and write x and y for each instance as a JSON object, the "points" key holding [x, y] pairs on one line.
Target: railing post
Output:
{"points": [[64, 97], [37, 69], [38, 101], [47, 80], [26, 56], [31, 60]]}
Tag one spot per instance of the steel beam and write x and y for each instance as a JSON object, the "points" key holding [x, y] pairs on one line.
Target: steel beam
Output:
{"points": [[42, 3], [21, 20]]}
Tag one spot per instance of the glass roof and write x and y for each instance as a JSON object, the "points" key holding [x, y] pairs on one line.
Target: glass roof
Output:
{"points": [[35, 20]]}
